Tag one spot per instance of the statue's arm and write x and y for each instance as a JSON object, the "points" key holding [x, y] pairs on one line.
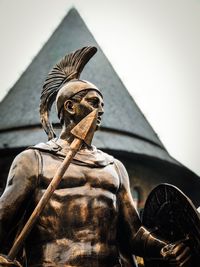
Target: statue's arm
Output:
{"points": [[137, 238], [21, 182], [132, 234]]}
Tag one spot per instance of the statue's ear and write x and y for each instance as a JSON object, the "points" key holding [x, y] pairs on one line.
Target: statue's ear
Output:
{"points": [[69, 107]]}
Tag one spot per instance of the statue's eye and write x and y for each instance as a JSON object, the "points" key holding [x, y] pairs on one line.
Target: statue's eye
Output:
{"points": [[94, 102]]}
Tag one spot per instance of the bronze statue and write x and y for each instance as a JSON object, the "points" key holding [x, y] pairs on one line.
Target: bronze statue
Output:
{"points": [[90, 220]]}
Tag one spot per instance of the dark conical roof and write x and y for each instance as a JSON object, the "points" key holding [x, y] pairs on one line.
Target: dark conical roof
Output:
{"points": [[124, 126]]}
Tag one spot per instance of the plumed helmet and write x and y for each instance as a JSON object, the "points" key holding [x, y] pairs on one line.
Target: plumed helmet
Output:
{"points": [[62, 83], [70, 89]]}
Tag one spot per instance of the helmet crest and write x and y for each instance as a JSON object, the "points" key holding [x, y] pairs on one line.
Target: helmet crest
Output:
{"points": [[68, 69]]}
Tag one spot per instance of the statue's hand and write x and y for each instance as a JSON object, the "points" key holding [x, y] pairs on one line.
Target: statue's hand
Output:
{"points": [[4, 262], [178, 254]]}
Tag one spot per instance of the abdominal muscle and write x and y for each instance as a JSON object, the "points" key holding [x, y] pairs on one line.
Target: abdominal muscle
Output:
{"points": [[76, 230], [64, 253]]}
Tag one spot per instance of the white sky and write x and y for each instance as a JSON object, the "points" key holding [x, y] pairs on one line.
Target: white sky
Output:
{"points": [[152, 44]]}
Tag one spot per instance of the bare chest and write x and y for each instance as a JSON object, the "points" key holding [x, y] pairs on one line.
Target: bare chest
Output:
{"points": [[78, 176]]}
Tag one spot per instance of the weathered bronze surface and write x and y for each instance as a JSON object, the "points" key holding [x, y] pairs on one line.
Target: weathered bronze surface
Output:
{"points": [[90, 220]]}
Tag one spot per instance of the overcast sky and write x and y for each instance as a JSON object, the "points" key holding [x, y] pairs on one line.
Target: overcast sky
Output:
{"points": [[152, 44]]}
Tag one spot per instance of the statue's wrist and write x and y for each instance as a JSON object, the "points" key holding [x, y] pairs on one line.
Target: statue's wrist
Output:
{"points": [[147, 245]]}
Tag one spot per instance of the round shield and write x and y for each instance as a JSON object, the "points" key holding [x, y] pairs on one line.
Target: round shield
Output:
{"points": [[171, 216]]}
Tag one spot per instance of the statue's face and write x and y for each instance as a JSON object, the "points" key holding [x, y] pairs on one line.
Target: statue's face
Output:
{"points": [[92, 100]]}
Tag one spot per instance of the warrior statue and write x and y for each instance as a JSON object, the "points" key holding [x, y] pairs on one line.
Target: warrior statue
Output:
{"points": [[90, 219]]}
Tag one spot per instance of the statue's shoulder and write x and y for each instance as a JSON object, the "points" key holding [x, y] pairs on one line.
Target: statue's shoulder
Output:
{"points": [[26, 162], [49, 146], [27, 154], [107, 157], [119, 164]]}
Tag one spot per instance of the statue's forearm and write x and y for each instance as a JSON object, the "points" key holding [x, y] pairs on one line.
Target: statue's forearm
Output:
{"points": [[142, 242], [146, 244]]}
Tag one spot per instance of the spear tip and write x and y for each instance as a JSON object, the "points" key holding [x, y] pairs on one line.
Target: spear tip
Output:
{"points": [[85, 129]]}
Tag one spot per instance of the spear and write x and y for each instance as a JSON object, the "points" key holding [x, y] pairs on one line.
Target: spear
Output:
{"points": [[82, 132]]}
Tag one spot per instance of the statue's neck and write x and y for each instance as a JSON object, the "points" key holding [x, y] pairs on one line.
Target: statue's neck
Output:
{"points": [[66, 133]]}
